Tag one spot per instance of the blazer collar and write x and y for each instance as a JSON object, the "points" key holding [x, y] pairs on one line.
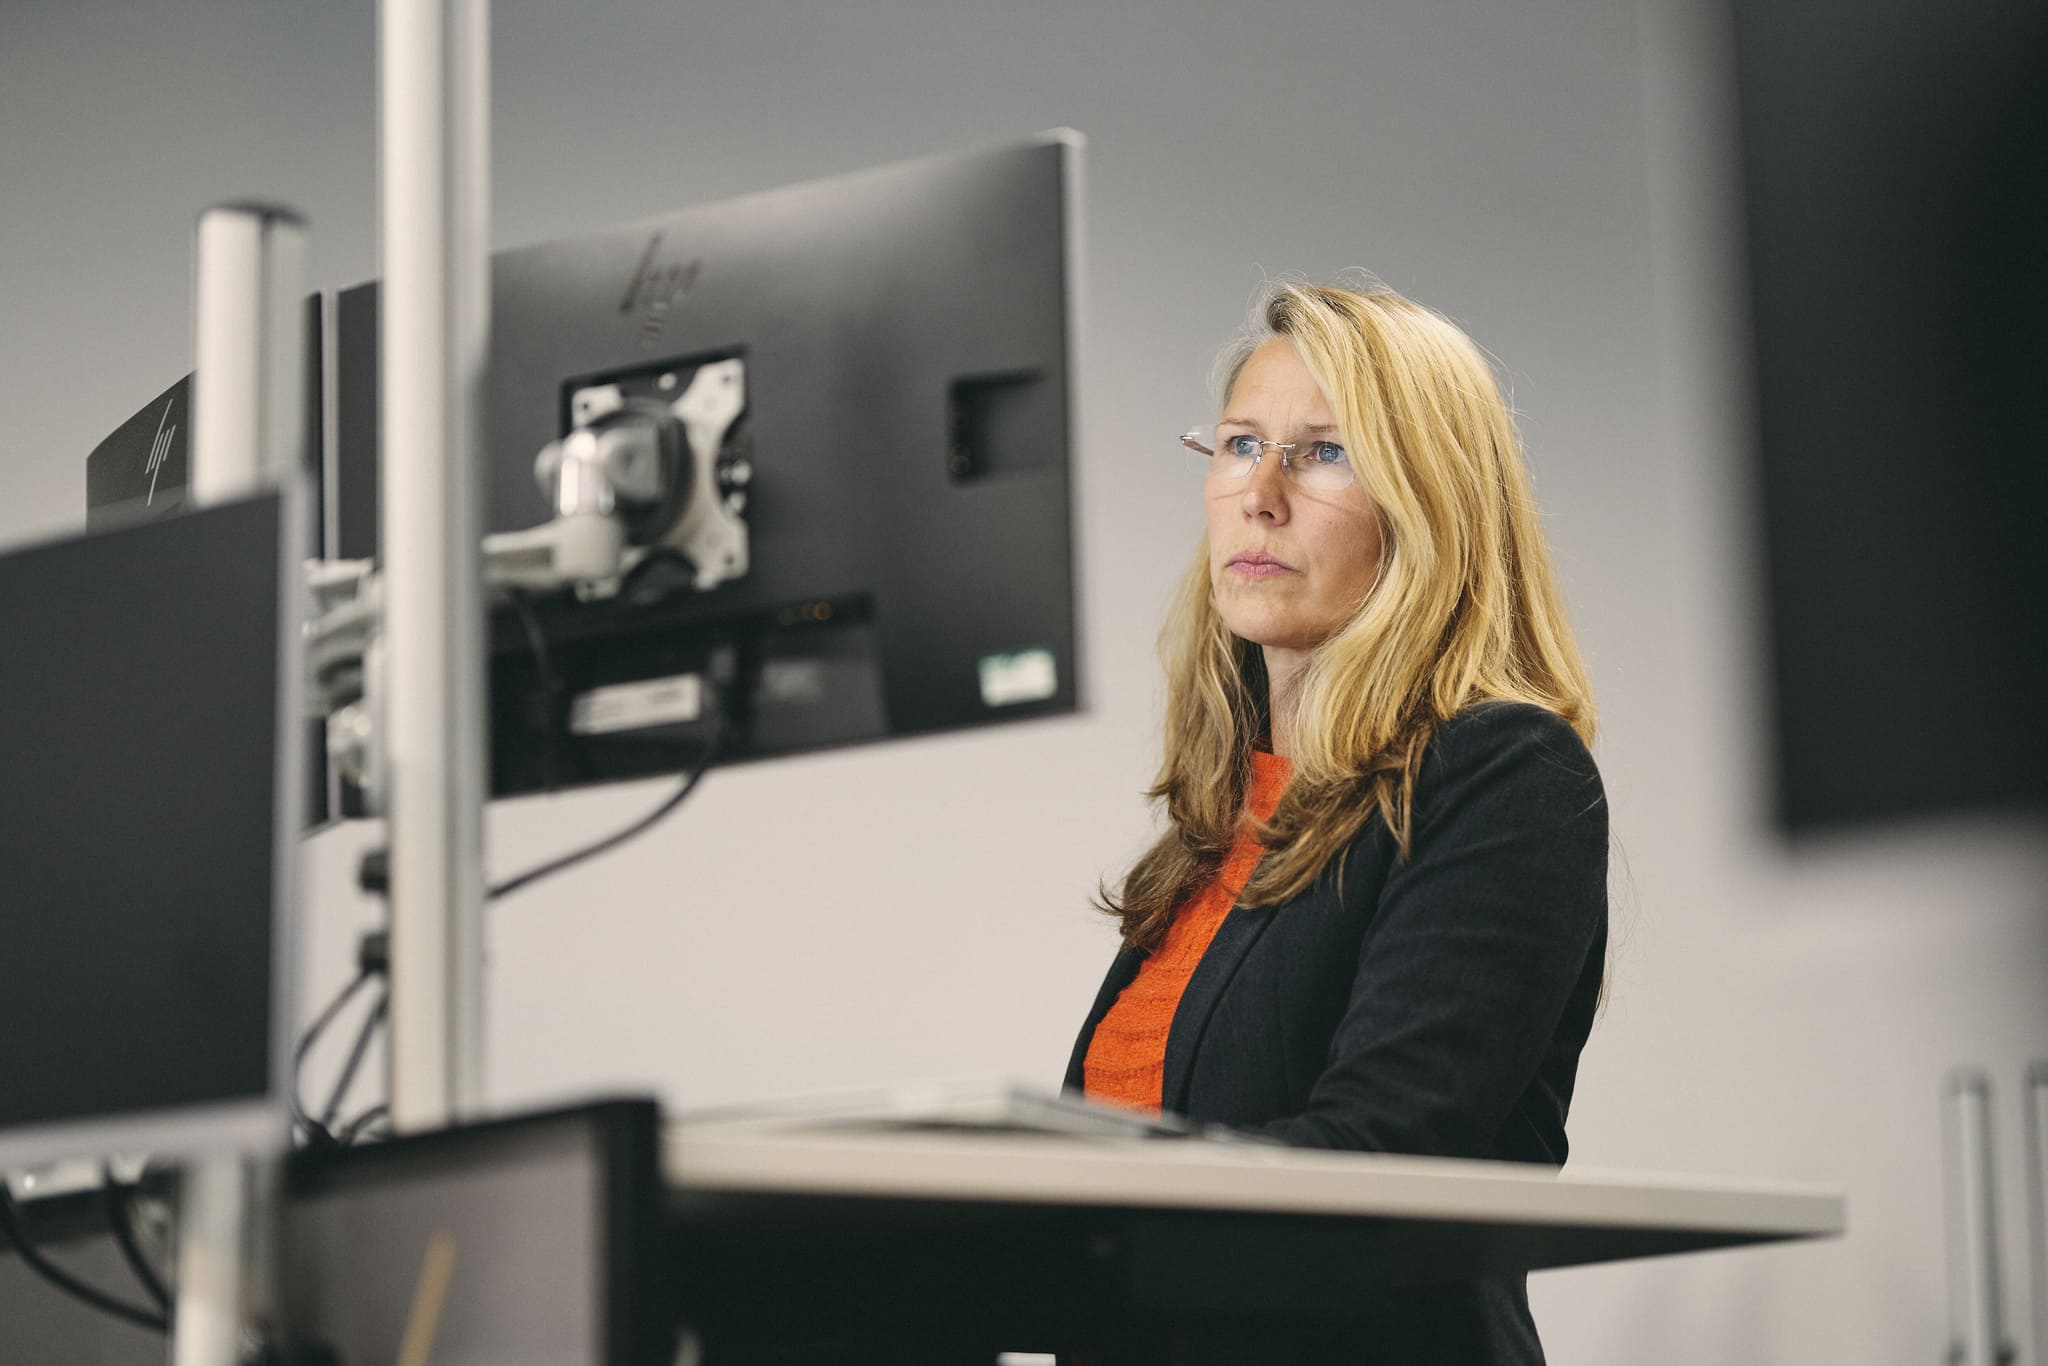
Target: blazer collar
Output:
{"points": [[1234, 939]]}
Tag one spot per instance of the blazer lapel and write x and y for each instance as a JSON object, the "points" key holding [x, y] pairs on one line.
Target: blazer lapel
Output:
{"points": [[1234, 939]]}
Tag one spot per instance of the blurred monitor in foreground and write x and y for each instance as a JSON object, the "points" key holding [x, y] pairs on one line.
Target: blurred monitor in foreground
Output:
{"points": [[879, 535], [1895, 163], [543, 1233], [147, 822]]}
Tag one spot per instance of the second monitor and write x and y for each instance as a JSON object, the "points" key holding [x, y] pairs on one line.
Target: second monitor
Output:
{"points": [[881, 537]]}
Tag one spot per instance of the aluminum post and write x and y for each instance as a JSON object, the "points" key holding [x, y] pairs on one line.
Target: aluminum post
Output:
{"points": [[1976, 1323], [249, 369], [2037, 1200], [248, 434], [433, 340]]}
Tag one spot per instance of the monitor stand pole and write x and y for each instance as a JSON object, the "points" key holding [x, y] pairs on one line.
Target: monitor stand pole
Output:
{"points": [[248, 435], [433, 343], [227, 1208]]}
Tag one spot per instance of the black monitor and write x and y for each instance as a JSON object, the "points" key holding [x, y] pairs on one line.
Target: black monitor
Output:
{"points": [[147, 821], [900, 470], [141, 469], [1895, 163], [542, 1233]]}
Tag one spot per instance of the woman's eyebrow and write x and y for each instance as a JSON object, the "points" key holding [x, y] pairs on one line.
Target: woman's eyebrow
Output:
{"points": [[1248, 422]]}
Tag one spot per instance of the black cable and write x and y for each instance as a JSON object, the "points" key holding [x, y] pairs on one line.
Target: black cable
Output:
{"points": [[13, 1225], [613, 841], [720, 685], [359, 1127], [306, 1042], [121, 1217], [322, 1127], [355, 1060]]}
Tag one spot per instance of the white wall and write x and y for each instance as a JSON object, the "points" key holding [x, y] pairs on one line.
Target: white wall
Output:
{"points": [[1553, 175]]}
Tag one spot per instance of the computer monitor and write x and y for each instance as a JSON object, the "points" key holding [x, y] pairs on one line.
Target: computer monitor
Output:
{"points": [[141, 469], [1895, 168], [899, 473], [148, 815], [540, 1238]]}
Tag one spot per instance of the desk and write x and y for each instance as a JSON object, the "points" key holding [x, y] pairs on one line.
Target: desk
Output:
{"points": [[971, 1242], [586, 1234]]}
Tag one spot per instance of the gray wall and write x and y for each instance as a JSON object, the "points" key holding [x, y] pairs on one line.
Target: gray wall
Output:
{"points": [[1553, 175]]}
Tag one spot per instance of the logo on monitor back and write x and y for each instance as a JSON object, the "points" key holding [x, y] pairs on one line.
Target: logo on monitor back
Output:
{"points": [[159, 449], [656, 290]]}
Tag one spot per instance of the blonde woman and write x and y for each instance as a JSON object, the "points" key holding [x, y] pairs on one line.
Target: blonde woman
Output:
{"points": [[1377, 918]]}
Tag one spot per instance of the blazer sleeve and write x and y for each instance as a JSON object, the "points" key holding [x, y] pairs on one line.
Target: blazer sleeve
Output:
{"points": [[1479, 943]]}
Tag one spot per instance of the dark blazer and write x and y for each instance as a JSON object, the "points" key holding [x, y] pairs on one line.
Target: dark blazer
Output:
{"points": [[1434, 1005]]}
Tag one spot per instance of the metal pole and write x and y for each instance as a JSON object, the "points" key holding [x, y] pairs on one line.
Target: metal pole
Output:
{"points": [[226, 1287], [433, 342], [248, 434], [248, 378], [1977, 1331], [2037, 1199]]}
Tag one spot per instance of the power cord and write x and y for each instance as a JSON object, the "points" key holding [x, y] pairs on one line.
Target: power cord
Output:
{"points": [[614, 840], [332, 1112], [121, 1218], [723, 694], [359, 1127], [14, 1224], [373, 960], [313, 1127], [373, 874]]}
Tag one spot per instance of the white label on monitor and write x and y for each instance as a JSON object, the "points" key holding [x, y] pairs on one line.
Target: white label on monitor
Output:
{"points": [[792, 682], [637, 706], [1018, 676]]}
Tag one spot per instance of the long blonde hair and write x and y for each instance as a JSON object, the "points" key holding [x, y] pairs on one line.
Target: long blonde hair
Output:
{"points": [[1465, 609]]}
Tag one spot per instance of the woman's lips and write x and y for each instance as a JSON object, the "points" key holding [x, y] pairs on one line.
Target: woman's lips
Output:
{"points": [[1257, 564]]}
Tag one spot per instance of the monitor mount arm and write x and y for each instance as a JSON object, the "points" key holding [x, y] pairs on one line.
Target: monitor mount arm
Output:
{"points": [[635, 478]]}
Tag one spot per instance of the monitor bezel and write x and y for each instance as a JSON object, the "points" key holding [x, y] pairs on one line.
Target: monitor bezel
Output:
{"points": [[259, 1125]]}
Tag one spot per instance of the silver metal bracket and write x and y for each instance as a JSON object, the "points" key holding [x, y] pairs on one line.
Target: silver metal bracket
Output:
{"points": [[712, 535], [594, 476]]}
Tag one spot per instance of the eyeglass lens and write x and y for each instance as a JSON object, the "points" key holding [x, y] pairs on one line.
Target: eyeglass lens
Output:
{"points": [[1313, 462]]}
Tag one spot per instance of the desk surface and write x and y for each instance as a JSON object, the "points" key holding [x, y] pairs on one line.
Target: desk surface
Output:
{"points": [[1453, 1217]]}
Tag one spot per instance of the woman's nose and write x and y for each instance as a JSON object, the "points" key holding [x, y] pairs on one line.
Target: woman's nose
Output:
{"points": [[1265, 489]]}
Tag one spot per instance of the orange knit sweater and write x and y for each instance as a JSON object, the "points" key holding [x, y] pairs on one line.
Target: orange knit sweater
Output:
{"points": [[1127, 1055]]}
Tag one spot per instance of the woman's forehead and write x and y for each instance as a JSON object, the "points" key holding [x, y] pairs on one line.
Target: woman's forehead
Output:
{"points": [[1276, 385]]}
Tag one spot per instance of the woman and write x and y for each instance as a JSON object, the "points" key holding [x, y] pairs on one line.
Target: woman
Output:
{"points": [[1377, 919]]}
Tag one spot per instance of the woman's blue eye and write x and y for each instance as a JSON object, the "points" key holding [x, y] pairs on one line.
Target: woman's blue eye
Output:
{"points": [[1244, 447], [1327, 453]]}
